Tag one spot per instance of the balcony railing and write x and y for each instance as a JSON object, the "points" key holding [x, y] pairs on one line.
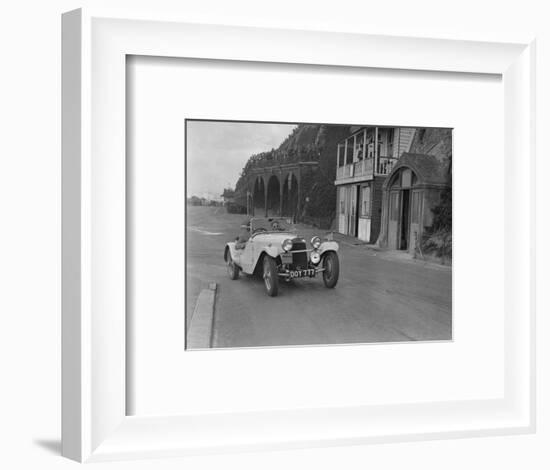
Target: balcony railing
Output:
{"points": [[385, 165], [354, 170], [377, 144], [364, 168]]}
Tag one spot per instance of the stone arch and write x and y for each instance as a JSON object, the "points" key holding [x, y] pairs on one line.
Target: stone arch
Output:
{"points": [[397, 178]]}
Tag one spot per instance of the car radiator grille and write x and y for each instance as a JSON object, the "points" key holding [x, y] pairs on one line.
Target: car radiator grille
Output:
{"points": [[299, 260]]}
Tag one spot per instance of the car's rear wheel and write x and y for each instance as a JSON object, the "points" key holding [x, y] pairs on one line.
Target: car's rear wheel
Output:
{"points": [[271, 279], [332, 269], [232, 268]]}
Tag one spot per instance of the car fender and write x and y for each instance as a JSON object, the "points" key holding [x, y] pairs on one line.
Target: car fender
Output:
{"points": [[328, 246], [231, 247], [272, 251]]}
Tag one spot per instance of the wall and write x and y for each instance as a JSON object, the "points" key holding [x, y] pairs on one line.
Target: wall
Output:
{"points": [[30, 209]]}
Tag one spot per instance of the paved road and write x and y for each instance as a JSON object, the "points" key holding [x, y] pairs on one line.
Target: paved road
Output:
{"points": [[378, 297]]}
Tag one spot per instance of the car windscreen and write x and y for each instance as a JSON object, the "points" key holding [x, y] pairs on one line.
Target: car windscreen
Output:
{"points": [[271, 224]]}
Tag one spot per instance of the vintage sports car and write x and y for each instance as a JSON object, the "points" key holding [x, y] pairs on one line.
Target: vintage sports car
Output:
{"points": [[274, 251]]}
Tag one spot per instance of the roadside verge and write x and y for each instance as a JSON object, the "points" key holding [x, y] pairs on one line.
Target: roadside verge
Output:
{"points": [[201, 326]]}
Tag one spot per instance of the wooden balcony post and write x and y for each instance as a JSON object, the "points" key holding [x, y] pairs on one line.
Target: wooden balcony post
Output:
{"points": [[364, 149], [376, 162], [345, 152]]}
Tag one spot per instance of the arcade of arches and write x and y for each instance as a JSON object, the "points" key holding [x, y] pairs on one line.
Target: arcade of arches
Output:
{"points": [[276, 195]]}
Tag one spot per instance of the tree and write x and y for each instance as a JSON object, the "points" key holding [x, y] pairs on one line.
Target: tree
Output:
{"points": [[228, 193], [194, 201]]}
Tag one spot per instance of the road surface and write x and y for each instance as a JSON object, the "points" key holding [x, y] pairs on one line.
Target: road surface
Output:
{"points": [[379, 297]]}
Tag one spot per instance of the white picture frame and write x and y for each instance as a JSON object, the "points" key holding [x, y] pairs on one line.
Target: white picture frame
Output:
{"points": [[94, 422]]}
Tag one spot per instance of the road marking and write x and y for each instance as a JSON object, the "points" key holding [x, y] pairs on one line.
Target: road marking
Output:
{"points": [[199, 335], [204, 232]]}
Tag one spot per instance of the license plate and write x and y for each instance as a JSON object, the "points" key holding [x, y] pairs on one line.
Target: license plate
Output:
{"points": [[303, 273]]}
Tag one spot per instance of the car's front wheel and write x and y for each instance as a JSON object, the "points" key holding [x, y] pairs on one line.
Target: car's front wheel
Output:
{"points": [[332, 269], [232, 268], [271, 279]]}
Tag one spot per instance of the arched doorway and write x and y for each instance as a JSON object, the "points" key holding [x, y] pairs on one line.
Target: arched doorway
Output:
{"points": [[290, 196], [258, 197], [403, 209], [273, 199]]}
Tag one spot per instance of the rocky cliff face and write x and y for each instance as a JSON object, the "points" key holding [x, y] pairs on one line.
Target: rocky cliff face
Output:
{"points": [[436, 142], [303, 135], [324, 137]]}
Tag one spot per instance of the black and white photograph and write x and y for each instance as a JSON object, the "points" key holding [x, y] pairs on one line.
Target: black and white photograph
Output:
{"points": [[291, 235], [317, 234]]}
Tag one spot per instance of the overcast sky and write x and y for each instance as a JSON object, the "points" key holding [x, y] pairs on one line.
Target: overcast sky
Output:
{"points": [[218, 151]]}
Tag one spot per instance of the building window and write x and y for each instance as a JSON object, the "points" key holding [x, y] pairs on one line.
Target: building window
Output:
{"points": [[396, 180], [390, 142], [359, 147], [365, 201], [341, 153], [349, 150], [370, 143], [406, 178]]}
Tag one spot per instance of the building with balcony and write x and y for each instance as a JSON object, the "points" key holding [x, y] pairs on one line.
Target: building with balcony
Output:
{"points": [[364, 160]]}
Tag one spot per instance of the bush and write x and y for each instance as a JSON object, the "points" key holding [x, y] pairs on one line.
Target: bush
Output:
{"points": [[233, 208], [443, 212], [439, 243], [438, 239]]}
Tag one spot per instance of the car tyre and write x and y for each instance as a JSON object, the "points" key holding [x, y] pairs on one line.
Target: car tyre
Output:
{"points": [[332, 269], [232, 268], [271, 279]]}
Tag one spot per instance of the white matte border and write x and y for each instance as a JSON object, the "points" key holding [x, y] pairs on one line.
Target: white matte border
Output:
{"points": [[161, 92], [94, 266]]}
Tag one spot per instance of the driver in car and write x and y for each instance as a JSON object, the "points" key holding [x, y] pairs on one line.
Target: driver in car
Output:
{"points": [[243, 236]]}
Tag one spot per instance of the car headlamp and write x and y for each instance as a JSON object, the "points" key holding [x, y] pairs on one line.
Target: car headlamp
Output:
{"points": [[287, 244], [316, 242], [315, 257]]}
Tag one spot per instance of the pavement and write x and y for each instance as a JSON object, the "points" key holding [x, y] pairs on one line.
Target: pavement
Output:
{"points": [[381, 296]]}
